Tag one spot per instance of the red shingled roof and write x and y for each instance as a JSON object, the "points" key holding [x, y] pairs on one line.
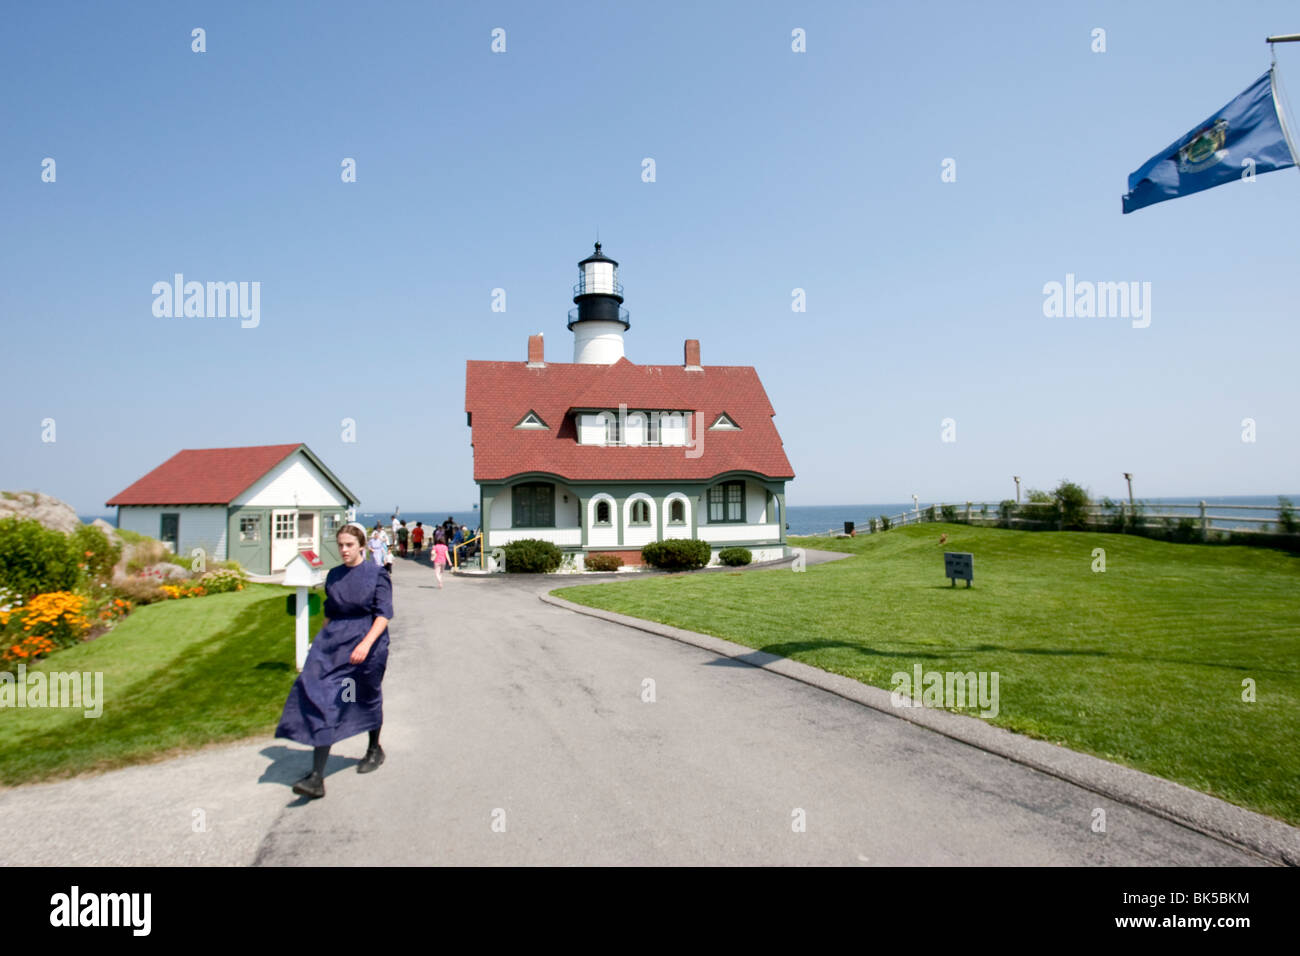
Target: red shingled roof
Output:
{"points": [[204, 476], [499, 394]]}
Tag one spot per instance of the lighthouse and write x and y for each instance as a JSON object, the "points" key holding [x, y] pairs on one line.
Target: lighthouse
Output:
{"points": [[599, 321]]}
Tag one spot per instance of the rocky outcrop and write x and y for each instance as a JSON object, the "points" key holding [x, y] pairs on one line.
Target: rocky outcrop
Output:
{"points": [[46, 509]]}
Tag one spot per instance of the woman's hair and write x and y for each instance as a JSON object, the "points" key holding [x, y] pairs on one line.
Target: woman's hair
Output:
{"points": [[354, 529]]}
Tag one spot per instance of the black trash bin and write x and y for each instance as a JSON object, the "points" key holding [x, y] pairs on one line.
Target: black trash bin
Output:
{"points": [[848, 527]]}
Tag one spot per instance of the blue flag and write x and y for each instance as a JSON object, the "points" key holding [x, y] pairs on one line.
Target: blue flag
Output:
{"points": [[1244, 138]]}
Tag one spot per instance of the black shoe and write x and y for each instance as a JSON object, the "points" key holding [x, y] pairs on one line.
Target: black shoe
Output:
{"points": [[371, 761], [312, 785]]}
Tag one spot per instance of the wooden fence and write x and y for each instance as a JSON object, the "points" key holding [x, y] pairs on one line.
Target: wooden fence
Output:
{"points": [[1128, 516]]}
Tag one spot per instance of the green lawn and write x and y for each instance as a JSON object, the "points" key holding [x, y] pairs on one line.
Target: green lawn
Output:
{"points": [[177, 675], [1142, 664]]}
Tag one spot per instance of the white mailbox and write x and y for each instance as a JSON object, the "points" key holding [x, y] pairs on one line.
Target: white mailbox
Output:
{"points": [[302, 572]]}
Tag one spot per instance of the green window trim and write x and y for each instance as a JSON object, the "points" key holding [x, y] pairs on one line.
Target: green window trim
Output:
{"points": [[727, 503], [639, 515], [676, 506]]}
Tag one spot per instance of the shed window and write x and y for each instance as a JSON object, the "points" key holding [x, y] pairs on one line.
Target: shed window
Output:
{"points": [[250, 528]]}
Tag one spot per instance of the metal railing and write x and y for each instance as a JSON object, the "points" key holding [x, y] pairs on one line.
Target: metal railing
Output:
{"points": [[1099, 517]]}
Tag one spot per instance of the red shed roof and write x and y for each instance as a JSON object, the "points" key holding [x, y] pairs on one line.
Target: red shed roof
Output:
{"points": [[499, 394], [210, 476]]}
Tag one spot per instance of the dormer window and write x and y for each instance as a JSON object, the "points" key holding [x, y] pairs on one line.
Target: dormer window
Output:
{"points": [[725, 422], [532, 420], [612, 434]]}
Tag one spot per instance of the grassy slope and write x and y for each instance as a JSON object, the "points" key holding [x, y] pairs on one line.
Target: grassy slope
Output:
{"points": [[177, 675], [1142, 664]]}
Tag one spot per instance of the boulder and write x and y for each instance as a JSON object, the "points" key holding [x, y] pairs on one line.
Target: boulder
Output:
{"points": [[49, 511], [108, 529]]}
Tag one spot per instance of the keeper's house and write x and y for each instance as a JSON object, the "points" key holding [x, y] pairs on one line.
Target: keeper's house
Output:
{"points": [[599, 454], [259, 505]]}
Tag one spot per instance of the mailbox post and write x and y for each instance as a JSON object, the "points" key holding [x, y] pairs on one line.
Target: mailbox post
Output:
{"points": [[302, 572]]}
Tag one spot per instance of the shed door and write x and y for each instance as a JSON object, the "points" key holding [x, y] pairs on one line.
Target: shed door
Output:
{"points": [[284, 538]]}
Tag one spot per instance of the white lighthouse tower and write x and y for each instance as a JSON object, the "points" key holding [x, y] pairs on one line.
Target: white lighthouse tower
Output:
{"points": [[599, 321]]}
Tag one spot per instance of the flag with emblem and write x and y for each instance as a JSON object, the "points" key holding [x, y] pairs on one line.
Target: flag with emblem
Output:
{"points": [[1245, 138]]}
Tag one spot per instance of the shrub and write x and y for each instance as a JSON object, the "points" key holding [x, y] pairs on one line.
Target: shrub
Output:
{"points": [[735, 557], [884, 523], [1006, 511], [677, 554], [223, 580], [532, 556], [929, 514], [139, 590], [93, 549], [599, 561], [949, 512], [1286, 518], [1071, 505], [35, 559]]}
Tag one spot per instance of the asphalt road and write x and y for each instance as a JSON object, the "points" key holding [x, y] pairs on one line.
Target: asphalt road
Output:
{"points": [[516, 733]]}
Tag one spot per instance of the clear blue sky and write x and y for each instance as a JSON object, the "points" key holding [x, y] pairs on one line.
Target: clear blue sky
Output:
{"points": [[775, 170]]}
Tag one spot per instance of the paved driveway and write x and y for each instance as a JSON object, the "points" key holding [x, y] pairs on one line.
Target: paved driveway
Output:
{"points": [[502, 710]]}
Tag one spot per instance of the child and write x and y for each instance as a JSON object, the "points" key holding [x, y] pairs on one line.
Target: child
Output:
{"points": [[402, 535], [439, 557], [417, 538]]}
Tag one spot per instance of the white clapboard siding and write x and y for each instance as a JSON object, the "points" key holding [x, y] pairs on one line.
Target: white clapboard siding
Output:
{"points": [[201, 526]]}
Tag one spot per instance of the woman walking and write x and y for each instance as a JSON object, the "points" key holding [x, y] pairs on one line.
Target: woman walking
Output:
{"points": [[439, 555], [339, 692], [378, 546]]}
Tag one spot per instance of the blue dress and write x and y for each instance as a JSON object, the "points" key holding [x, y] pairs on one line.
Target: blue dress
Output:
{"points": [[323, 707]]}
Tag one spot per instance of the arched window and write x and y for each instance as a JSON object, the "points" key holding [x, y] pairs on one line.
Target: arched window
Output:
{"points": [[602, 512], [677, 511], [640, 512]]}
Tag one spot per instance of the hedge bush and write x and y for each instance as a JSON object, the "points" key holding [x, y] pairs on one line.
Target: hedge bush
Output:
{"points": [[532, 556], [735, 557], [600, 561], [35, 559], [677, 554]]}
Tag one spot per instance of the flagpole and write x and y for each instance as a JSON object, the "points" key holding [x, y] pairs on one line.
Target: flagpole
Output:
{"points": [[1272, 82]]}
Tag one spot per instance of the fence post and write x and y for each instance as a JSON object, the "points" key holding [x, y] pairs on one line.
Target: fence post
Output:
{"points": [[1205, 524], [968, 512]]}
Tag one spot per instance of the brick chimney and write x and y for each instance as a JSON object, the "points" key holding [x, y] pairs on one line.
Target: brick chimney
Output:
{"points": [[535, 353], [693, 356]]}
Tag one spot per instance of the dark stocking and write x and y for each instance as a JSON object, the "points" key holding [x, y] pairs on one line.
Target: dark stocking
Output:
{"points": [[319, 756], [374, 737]]}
